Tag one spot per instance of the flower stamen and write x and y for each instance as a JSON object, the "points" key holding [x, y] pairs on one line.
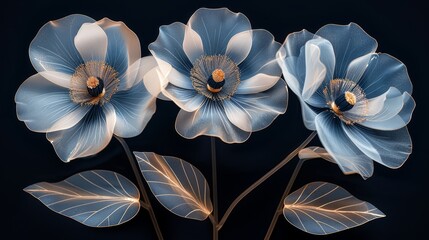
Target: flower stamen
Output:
{"points": [[215, 76], [346, 100], [95, 86], [93, 83], [216, 81], [350, 98]]}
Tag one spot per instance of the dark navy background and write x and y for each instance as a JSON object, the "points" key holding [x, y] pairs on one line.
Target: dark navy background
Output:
{"points": [[27, 157]]}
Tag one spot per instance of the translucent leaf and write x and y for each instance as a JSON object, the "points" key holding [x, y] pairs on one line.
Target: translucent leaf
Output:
{"points": [[178, 186], [315, 152], [322, 208], [96, 198]]}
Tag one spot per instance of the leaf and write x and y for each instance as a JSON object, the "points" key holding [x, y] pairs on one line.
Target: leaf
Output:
{"points": [[178, 186], [319, 152], [315, 152], [323, 208], [96, 198]]}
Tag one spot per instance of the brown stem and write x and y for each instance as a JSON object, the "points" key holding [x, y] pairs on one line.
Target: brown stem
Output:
{"points": [[214, 185], [280, 206], [136, 172], [263, 178]]}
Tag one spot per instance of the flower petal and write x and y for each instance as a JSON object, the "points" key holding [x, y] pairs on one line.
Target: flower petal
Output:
{"points": [[168, 48], [123, 45], [347, 155], [209, 120], [91, 42], [256, 84], [262, 56], [58, 78], [390, 148], [358, 66], [53, 48], [264, 107], [239, 46], [134, 108], [237, 115], [179, 80], [399, 120], [154, 81], [188, 100], [216, 27], [192, 44], [45, 106], [288, 57], [385, 106], [349, 42], [136, 72], [260, 71], [308, 115], [319, 68], [382, 71], [88, 137]]}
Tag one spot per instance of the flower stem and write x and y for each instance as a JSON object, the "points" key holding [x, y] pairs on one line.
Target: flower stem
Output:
{"points": [[280, 206], [143, 204], [263, 178], [136, 171], [214, 185]]}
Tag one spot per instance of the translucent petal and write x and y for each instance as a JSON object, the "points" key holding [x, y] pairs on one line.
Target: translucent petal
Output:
{"points": [[91, 42], [237, 114], [390, 148], [53, 48], [349, 42], [385, 106], [134, 108], [319, 68], [59, 78], [398, 121], [169, 49], [287, 58], [347, 155], [216, 27], [188, 100], [154, 82], [45, 106], [264, 107], [239, 46], [123, 45], [258, 83], [192, 44], [180, 80], [136, 72], [382, 72], [88, 137], [358, 66], [209, 120], [288, 66], [262, 56], [308, 115]]}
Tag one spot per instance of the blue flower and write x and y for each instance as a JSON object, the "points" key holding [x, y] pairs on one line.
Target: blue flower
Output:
{"points": [[358, 101], [221, 73], [88, 87]]}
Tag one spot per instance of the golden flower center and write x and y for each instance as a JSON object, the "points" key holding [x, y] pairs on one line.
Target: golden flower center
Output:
{"points": [[347, 100], [215, 76], [216, 81], [92, 82], [218, 75], [350, 97]]}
